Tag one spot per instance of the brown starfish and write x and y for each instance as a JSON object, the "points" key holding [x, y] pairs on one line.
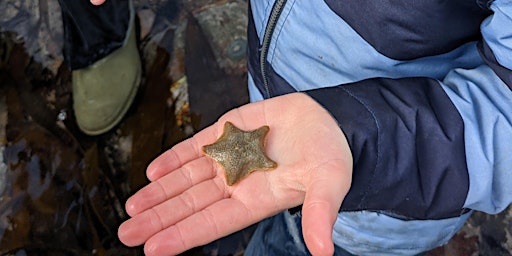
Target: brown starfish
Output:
{"points": [[240, 152]]}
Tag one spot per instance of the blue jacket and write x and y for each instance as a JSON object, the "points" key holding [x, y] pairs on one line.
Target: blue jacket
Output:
{"points": [[422, 91]]}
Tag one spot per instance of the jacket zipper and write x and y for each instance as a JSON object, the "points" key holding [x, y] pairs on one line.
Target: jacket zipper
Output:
{"points": [[269, 30]]}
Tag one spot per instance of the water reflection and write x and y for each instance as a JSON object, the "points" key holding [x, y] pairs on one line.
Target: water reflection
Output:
{"points": [[61, 192], [56, 199]]}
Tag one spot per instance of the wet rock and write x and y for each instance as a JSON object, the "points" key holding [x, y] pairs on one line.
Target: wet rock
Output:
{"points": [[38, 24], [224, 27], [213, 87], [482, 234], [3, 141]]}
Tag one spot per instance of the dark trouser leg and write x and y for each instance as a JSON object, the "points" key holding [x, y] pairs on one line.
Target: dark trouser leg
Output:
{"points": [[282, 235], [92, 32]]}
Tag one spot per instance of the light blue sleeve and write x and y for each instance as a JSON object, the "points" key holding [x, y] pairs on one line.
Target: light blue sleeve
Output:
{"points": [[371, 233], [485, 104]]}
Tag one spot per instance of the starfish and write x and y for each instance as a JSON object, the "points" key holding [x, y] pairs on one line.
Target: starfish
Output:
{"points": [[240, 152]]}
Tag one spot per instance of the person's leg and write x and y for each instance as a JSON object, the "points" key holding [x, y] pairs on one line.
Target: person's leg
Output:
{"points": [[93, 32], [281, 235], [100, 47], [278, 235]]}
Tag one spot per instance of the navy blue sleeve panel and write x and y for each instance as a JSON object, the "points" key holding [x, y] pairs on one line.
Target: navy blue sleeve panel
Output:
{"points": [[407, 140], [428, 27], [503, 73]]}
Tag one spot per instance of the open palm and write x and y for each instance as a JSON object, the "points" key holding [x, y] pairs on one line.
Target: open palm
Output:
{"points": [[188, 202]]}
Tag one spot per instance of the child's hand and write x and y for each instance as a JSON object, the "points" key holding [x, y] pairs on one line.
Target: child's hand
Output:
{"points": [[188, 203]]}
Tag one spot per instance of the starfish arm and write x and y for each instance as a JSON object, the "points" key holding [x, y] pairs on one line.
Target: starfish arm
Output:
{"points": [[240, 152]]}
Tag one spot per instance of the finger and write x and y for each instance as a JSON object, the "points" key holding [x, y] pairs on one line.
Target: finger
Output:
{"points": [[218, 220], [170, 185], [182, 153], [170, 212], [323, 198], [173, 158], [97, 2], [191, 148]]}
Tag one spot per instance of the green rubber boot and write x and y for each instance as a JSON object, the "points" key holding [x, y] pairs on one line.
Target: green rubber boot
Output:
{"points": [[104, 91]]}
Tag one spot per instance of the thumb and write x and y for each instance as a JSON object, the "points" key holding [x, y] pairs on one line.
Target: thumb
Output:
{"points": [[322, 201]]}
